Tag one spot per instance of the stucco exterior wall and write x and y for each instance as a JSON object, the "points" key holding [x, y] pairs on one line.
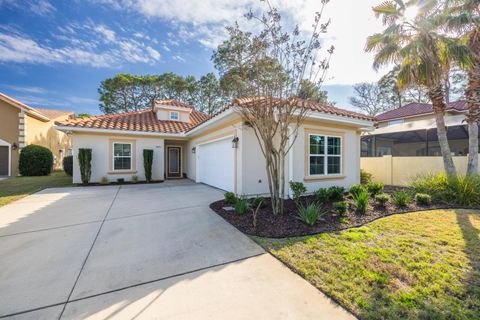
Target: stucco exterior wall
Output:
{"points": [[101, 158], [9, 132], [164, 114], [44, 134], [401, 170]]}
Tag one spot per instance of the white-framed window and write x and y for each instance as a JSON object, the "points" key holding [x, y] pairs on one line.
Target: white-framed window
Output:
{"points": [[174, 115], [122, 156], [324, 155], [395, 122]]}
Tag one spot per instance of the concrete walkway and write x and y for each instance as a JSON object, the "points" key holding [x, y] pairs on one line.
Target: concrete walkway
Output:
{"points": [[141, 252]]}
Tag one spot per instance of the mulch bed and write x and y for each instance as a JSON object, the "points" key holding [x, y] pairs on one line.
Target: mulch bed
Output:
{"points": [[288, 224]]}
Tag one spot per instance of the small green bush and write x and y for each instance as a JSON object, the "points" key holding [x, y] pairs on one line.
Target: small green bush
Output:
{"points": [[104, 180], [423, 199], [134, 179], [241, 205], [67, 164], [298, 189], [355, 189], [85, 163], [35, 160], [120, 180], [341, 207], [375, 188], [310, 214], [230, 197], [259, 202], [336, 193], [147, 163], [382, 199], [401, 198], [361, 200], [322, 195], [365, 177]]}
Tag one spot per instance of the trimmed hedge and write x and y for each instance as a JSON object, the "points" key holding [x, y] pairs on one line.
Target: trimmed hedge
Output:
{"points": [[85, 162], [35, 160], [147, 163], [67, 163]]}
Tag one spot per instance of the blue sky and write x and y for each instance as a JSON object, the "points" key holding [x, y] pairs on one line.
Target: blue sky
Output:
{"points": [[54, 54]]}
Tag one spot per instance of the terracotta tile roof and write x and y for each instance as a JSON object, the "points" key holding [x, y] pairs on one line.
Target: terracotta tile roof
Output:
{"points": [[415, 109], [52, 113], [173, 103], [144, 121], [315, 106]]}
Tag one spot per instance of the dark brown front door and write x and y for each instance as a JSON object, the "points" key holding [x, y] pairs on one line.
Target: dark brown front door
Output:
{"points": [[3, 161], [174, 162]]}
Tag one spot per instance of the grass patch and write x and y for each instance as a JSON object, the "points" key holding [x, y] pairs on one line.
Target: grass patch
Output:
{"points": [[422, 265], [16, 188]]}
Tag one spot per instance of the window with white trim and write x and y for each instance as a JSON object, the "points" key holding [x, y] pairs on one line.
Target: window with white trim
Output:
{"points": [[174, 115], [325, 155], [122, 156]]}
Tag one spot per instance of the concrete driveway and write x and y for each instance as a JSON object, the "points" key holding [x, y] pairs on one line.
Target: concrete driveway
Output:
{"points": [[141, 252]]}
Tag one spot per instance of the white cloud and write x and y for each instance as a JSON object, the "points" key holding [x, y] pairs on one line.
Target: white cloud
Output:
{"points": [[42, 7], [178, 58], [81, 44], [108, 34], [27, 89]]}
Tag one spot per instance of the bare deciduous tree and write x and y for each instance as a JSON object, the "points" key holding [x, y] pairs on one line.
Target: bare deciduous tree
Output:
{"points": [[265, 71]]}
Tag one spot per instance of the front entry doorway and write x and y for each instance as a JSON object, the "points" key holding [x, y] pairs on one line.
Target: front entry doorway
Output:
{"points": [[174, 162]]}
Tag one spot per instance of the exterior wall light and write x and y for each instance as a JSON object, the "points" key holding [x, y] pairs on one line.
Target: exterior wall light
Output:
{"points": [[235, 142], [194, 149], [14, 146]]}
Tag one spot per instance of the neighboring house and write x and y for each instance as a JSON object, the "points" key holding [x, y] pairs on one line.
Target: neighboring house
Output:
{"points": [[21, 125], [222, 150], [411, 131]]}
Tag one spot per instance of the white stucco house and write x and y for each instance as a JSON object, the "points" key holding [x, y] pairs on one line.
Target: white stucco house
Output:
{"points": [[219, 150]]}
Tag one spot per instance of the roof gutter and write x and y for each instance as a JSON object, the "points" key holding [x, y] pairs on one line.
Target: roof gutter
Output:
{"points": [[67, 129]]}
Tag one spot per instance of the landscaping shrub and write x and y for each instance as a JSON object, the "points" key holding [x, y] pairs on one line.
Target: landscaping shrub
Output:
{"points": [[85, 162], [259, 202], [147, 163], [298, 189], [241, 205], [230, 197], [120, 180], [336, 193], [382, 199], [461, 189], [35, 161], [322, 195], [104, 180], [341, 207], [361, 200], [67, 164], [365, 177], [309, 214], [423, 199], [401, 198], [375, 188], [355, 189], [134, 179]]}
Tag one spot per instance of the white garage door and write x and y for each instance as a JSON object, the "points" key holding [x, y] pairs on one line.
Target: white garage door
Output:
{"points": [[216, 164]]}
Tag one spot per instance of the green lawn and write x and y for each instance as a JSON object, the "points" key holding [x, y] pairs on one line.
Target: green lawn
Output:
{"points": [[422, 265], [18, 187]]}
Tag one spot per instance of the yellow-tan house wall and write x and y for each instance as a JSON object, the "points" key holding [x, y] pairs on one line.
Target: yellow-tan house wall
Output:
{"points": [[44, 134], [9, 131]]}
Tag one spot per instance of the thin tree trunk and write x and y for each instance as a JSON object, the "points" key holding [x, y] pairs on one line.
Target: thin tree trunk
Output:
{"points": [[472, 94], [437, 97]]}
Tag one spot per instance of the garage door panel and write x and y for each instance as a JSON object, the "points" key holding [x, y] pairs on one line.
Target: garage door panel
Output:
{"points": [[216, 164], [3, 161]]}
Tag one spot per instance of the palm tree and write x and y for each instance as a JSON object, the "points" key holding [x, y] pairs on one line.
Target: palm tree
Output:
{"points": [[423, 56], [463, 18]]}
